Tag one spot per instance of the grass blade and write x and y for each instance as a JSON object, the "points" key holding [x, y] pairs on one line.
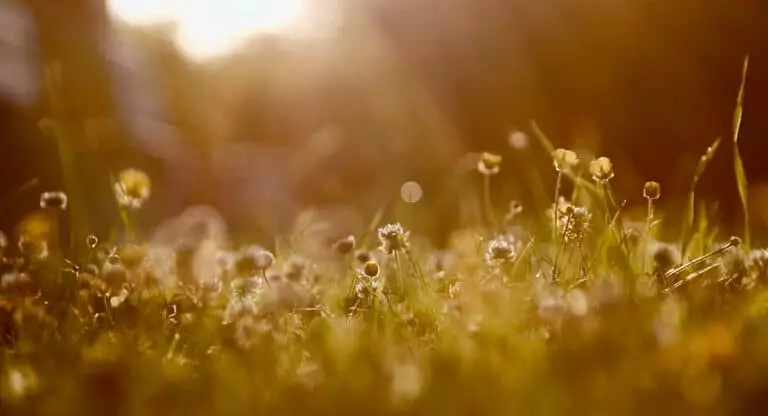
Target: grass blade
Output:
{"points": [[690, 207], [741, 177]]}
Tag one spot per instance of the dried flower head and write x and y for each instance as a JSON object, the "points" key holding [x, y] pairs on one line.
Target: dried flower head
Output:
{"points": [[132, 188], [53, 200], [489, 164], [601, 169], [393, 238], [363, 256], [92, 241], [344, 246], [574, 224], [652, 190], [253, 259], [371, 269], [500, 250], [564, 160]]}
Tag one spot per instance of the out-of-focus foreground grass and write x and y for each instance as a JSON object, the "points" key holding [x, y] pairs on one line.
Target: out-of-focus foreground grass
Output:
{"points": [[592, 315]]}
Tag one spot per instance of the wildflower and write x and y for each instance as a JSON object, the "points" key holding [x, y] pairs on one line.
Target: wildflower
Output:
{"points": [[565, 160], [132, 188], [252, 259], [363, 256], [371, 269], [500, 251], [92, 241], [601, 169], [53, 200], [575, 224], [393, 238], [489, 164], [368, 288], [344, 246], [651, 190]]}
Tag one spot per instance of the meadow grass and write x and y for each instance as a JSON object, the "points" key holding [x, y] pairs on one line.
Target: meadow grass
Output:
{"points": [[594, 316]]}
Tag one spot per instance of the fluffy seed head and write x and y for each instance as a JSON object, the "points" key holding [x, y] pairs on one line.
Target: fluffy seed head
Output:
{"points": [[132, 188], [500, 250], [392, 238], [601, 169], [53, 200], [565, 160], [575, 224], [489, 164], [652, 190]]}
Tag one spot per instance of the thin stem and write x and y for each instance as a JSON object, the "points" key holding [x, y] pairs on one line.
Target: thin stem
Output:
{"points": [[491, 217], [647, 238], [398, 276], [558, 182]]}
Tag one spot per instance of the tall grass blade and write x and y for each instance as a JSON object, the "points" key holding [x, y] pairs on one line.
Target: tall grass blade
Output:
{"points": [[690, 205], [741, 177]]}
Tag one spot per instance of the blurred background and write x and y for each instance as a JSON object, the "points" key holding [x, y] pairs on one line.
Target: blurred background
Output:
{"points": [[262, 108]]}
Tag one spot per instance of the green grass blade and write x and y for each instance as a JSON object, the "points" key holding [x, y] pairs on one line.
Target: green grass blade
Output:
{"points": [[690, 206], [738, 164]]}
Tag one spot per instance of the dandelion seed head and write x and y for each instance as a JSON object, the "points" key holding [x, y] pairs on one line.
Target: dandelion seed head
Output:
{"points": [[132, 188], [393, 238], [499, 251], [53, 200], [575, 224], [601, 169]]}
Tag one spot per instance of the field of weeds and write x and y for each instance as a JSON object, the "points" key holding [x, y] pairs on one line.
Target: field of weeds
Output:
{"points": [[596, 315]]}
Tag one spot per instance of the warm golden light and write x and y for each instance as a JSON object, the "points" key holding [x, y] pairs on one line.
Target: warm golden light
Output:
{"points": [[211, 27]]}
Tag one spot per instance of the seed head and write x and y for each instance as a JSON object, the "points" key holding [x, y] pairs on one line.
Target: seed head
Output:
{"points": [[371, 269], [53, 200], [565, 160], [500, 250], [393, 238], [652, 190], [253, 259], [345, 246], [574, 224], [363, 256], [92, 241], [601, 169], [132, 188], [489, 164]]}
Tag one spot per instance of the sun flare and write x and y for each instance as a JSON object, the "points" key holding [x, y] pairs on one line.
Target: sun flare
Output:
{"points": [[210, 27]]}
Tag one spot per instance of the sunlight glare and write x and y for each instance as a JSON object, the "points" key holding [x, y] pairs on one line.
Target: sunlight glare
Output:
{"points": [[209, 27]]}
